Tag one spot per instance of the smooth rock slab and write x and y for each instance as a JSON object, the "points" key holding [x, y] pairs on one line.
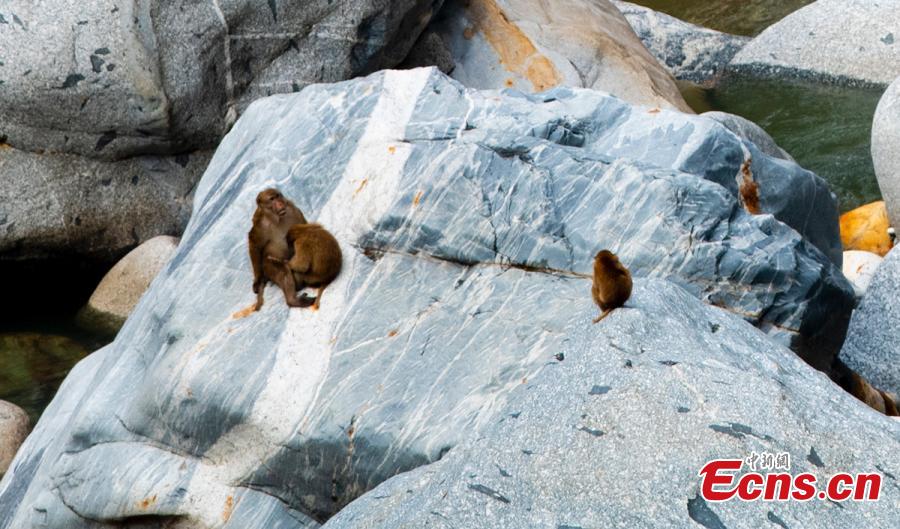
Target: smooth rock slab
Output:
{"points": [[873, 339], [614, 435], [122, 287], [855, 42], [885, 151], [451, 206], [532, 45], [52, 204], [689, 52]]}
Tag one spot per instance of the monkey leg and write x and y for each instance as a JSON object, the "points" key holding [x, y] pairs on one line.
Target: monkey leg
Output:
{"points": [[319, 297], [603, 315], [281, 276]]}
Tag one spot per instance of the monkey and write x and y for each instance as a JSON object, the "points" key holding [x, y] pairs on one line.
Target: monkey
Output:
{"points": [[272, 220], [612, 283], [317, 258], [749, 190], [862, 389]]}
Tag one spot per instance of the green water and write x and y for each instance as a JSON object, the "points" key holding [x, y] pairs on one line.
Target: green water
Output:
{"points": [[740, 17], [827, 129], [39, 339]]}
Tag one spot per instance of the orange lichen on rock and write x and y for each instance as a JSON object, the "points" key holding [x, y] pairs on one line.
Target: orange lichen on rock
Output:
{"points": [[866, 228], [516, 51]]}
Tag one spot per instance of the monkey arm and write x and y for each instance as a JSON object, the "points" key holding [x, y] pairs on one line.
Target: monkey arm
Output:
{"points": [[256, 258]]}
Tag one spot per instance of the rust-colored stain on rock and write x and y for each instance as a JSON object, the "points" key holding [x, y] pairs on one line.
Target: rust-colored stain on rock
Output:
{"points": [[243, 313], [865, 228], [361, 186], [228, 509], [147, 502], [516, 51], [418, 197]]}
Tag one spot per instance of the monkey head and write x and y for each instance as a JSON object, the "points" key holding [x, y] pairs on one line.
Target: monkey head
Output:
{"points": [[606, 259], [273, 201]]}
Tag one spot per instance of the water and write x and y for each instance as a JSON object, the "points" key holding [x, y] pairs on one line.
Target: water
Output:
{"points": [[39, 340], [827, 129], [740, 17]]}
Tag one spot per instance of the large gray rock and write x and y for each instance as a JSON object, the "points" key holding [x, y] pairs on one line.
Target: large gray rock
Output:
{"points": [[873, 340], [855, 42], [121, 288], [14, 425], [689, 52], [615, 434], [462, 216], [533, 45], [108, 78], [885, 151], [51, 204], [751, 132]]}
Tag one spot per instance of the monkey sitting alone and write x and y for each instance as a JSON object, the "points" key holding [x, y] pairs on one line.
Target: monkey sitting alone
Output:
{"points": [[267, 240], [317, 258], [612, 283]]}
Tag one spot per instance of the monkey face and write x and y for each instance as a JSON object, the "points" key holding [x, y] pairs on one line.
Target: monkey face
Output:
{"points": [[273, 200]]}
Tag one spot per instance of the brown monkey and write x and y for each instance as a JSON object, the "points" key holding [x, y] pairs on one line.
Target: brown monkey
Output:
{"points": [[612, 283], [317, 258], [749, 190], [273, 218]]}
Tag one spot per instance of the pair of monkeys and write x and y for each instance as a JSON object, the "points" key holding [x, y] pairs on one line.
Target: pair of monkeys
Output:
{"points": [[290, 252], [280, 229]]}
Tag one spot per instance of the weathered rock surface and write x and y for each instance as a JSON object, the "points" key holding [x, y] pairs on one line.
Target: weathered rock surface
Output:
{"points": [[615, 434], [859, 268], [751, 132], [866, 229], [873, 340], [126, 80], [855, 42], [14, 425], [452, 207], [533, 45], [110, 79], [689, 52], [56, 203], [122, 287], [885, 151]]}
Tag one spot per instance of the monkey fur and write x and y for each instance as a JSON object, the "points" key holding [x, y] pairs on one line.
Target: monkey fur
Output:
{"points": [[267, 241], [317, 258], [612, 283]]}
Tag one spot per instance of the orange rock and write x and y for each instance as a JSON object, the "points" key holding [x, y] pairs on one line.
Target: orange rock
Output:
{"points": [[865, 228]]}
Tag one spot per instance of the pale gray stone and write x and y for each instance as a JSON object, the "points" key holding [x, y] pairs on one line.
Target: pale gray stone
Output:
{"points": [[873, 339], [886, 149], [691, 53], [465, 219], [853, 42], [125, 283], [58, 203], [14, 425]]}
